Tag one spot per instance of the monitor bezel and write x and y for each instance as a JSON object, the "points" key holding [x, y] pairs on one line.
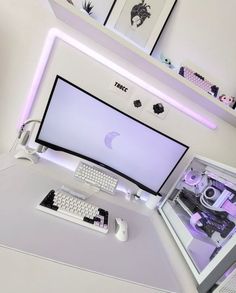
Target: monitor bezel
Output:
{"points": [[59, 148]]}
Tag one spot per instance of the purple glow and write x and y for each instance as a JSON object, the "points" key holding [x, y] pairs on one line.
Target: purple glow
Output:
{"points": [[64, 161], [192, 177], [55, 33], [195, 219], [230, 208], [43, 60]]}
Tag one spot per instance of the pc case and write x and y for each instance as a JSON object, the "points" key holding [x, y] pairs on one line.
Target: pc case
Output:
{"points": [[200, 212], [227, 284]]}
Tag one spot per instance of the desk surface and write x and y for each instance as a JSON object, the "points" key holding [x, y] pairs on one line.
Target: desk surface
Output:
{"points": [[144, 259]]}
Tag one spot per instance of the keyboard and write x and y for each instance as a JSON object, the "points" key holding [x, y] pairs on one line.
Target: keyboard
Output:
{"points": [[69, 207], [96, 177]]}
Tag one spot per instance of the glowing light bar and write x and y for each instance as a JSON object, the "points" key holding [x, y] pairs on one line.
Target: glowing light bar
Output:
{"points": [[45, 55]]}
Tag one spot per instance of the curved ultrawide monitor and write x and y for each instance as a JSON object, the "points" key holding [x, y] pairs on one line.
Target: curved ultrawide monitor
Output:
{"points": [[81, 124]]}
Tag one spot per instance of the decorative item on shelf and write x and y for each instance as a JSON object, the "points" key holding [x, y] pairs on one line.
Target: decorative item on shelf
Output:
{"points": [[166, 61], [97, 9], [228, 100], [70, 1], [139, 13], [140, 21], [87, 7], [199, 80], [137, 103], [158, 108]]}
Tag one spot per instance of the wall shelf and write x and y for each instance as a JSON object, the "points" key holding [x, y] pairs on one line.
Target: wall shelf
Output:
{"points": [[129, 52]]}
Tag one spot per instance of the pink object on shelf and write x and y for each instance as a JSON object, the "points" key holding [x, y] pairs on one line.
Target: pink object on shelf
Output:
{"points": [[199, 80]]}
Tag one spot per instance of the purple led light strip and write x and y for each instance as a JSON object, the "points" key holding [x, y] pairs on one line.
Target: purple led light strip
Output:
{"points": [[43, 60], [45, 55]]}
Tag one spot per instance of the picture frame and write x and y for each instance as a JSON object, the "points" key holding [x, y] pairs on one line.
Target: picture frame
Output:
{"points": [[140, 21], [97, 9]]}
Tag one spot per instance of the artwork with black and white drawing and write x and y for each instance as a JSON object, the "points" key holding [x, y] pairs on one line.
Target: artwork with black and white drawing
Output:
{"points": [[139, 13], [96, 9], [138, 18]]}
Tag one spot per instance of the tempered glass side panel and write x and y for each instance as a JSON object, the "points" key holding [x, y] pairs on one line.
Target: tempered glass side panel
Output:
{"points": [[201, 211]]}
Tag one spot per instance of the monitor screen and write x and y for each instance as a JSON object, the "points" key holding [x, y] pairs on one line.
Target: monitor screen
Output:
{"points": [[81, 124]]}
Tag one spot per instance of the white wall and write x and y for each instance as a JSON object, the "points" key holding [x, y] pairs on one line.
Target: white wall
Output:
{"points": [[202, 33], [23, 28]]}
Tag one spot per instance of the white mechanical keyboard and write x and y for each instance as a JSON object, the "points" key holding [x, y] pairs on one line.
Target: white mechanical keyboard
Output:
{"points": [[69, 207], [96, 177]]}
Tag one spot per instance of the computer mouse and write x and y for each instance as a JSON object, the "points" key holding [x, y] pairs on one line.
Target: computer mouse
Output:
{"points": [[121, 229]]}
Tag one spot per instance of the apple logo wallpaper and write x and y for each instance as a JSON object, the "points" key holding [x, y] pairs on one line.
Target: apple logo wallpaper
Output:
{"points": [[109, 137]]}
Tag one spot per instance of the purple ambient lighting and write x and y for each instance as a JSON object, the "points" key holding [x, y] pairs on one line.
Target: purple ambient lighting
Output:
{"points": [[192, 177], [43, 60], [230, 208], [45, 55]]}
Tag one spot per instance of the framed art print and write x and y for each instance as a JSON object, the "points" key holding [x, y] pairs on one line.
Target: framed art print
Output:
{"points": [[140, 21], [97, 9]]}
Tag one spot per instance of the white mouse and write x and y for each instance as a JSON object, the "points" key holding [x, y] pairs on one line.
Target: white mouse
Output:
{"points": [[121, 229]]}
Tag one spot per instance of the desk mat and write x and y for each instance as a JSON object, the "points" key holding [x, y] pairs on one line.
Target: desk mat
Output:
{"points": [[142, 259]]}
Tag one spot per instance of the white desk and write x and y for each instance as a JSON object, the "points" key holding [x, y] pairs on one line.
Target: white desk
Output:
{"points": [[148, 262]]}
